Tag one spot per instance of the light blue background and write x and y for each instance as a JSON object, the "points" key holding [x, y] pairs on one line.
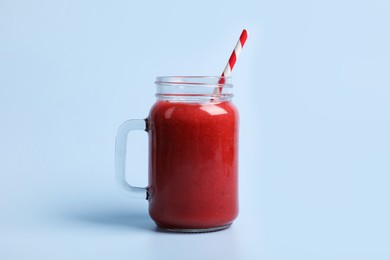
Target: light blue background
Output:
{"points": [[313, 89]]}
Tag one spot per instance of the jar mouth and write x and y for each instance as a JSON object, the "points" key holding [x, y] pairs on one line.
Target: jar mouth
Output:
{"points": [[201, 81], [194, 88]]}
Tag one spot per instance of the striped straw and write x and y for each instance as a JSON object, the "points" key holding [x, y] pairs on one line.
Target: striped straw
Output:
{"points": [[232, 60]]}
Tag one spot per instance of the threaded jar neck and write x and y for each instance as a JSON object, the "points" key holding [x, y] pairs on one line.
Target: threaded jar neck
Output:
{"points": [[194, 88]]}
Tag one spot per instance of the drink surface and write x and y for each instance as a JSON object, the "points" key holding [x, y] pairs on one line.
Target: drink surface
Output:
{"points": [[193, 164]]}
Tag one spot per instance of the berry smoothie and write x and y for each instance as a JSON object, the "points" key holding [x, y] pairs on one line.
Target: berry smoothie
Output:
{"points": [[193, 164]]}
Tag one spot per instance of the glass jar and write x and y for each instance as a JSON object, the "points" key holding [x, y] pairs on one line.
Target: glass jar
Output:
{"points": [[193, 154]]}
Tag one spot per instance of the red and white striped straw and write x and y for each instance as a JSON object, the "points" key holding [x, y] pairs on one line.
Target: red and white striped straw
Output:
{"points": [[236, 52], [232, 60]]}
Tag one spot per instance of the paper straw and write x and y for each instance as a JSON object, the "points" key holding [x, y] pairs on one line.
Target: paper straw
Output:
{"points": [[232, 60]]}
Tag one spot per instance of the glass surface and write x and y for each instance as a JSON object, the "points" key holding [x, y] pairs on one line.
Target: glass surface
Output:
{"points": [[193, 154]]}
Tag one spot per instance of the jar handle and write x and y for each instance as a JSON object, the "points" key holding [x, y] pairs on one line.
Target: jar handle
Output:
{"points": [[120, 157]]}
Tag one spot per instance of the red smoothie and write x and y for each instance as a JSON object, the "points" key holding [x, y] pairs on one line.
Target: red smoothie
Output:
{"points": [[193, 162]]}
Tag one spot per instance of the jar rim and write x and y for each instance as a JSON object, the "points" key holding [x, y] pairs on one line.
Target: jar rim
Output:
{"points": [[204, 81]]}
